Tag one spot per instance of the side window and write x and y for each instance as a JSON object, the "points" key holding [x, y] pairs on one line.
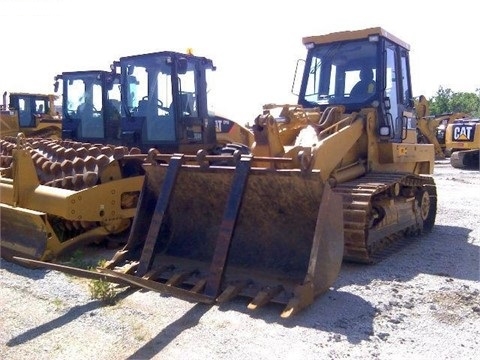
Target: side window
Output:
{"points": [[40, 106], [24, 113], [391, 90], [22, 104], [137, 80], [312, 89], [188, 101], [164, 93], [333, 82], [406, 94], [97, 97], [211, 91], [75, 95]]}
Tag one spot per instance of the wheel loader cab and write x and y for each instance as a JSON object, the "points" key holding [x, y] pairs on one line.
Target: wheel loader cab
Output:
{"points": [[90, 106], [165, 104], [334, 64]]}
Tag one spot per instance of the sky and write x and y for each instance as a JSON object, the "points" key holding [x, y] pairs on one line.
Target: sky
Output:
{"points": [[255, 44]]}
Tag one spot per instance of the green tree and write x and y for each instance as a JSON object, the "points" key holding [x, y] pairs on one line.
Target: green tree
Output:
{"points": [[448, 101]]}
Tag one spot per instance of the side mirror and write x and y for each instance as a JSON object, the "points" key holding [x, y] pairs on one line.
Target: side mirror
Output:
{"points": [[55, 86]]}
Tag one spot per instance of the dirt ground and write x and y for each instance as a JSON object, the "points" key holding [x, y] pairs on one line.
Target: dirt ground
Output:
{"points": [[422, 302]]}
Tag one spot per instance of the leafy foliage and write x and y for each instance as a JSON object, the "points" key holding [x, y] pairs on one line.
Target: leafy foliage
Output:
{"points": [[102, 290], [447, 101]]}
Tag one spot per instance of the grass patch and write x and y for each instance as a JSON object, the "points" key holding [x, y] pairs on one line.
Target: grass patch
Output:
{"points": [[102, 290]]}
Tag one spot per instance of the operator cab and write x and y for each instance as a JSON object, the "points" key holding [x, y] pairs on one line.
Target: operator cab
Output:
{"points": [[361, 69], [90, 105], [31, 108], [165, 103]]}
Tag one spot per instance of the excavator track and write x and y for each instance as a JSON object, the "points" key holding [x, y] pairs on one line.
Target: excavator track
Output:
{"points": [[381, 209]]}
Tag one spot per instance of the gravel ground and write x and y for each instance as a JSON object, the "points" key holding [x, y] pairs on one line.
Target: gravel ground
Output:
{"points": [[421, 302]]}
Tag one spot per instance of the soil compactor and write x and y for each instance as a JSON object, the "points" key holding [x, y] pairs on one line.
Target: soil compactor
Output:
{"points": [[276, 226], [56, 198], [31, 114]]}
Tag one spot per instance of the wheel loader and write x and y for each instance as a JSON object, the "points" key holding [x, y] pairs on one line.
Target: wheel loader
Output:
{"points": [[155, 100], [32, 114], [275, 225], [462, 140]]}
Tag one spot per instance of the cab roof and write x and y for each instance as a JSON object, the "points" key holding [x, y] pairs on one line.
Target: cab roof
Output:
{"points": [[353, 35]]}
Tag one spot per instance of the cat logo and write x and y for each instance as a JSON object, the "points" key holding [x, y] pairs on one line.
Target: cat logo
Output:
{"points": [[463, 132], [223, 125]]}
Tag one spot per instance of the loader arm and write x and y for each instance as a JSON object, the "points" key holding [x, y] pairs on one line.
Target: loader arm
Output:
{"points": [[332, 149], [428, 128]]}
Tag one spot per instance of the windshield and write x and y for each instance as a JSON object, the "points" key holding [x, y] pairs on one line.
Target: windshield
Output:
{"points": [[82, 90], [148, 84], [342, 73]]}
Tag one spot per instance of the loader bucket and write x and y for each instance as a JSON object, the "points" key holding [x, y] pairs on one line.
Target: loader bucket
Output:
{"points": [[270, 235]]}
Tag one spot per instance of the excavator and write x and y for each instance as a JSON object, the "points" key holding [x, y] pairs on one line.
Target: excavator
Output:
{"points": [[431, 129], [339, 176], [462, 140], [456, 135], [32, 114]]}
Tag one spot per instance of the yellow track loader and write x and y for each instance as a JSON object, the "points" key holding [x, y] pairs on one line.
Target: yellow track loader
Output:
{"points": [[276, 223]]}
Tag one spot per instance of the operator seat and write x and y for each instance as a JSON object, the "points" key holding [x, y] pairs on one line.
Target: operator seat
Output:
{"points": [[366, 86]]}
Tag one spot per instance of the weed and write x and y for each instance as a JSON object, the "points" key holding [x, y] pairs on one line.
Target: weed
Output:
{"points": [[102, 290], [58, 303]]}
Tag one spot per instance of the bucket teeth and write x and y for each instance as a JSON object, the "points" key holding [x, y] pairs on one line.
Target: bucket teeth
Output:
{"points": [[179, 278], [264, 296], [297, 304], [231, 291], [199, 286], [119, 257], [154, 274], [128, 268]]}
